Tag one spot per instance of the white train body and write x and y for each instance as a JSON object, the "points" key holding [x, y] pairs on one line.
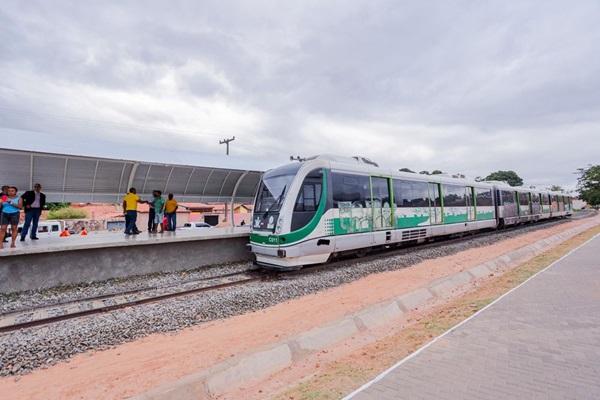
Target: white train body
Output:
{"points": [[305, 212]]}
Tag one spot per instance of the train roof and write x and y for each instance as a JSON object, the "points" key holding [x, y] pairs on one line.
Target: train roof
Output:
{"points": [[363, 164]]}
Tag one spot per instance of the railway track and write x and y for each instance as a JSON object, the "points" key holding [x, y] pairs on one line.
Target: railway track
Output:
{"points": [[59, 311], [47, 314]]}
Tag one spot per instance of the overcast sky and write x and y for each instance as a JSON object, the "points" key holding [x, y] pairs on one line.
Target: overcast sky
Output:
{"points": [[461, 86]]}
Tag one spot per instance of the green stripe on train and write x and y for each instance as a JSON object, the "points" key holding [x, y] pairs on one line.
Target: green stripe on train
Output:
{"points": [[346, 225], [412, 221], [485, 215], [454, 218], [263, 239]]}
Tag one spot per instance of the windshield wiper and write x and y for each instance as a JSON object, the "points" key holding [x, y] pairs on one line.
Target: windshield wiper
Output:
{"points": [[277, 203]]}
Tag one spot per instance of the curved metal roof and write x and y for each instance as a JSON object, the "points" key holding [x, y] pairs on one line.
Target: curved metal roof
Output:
{"points": [[72, 178]]}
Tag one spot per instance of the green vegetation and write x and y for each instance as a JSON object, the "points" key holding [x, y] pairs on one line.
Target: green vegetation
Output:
{"points": [[509, 177], [57, 206], [556, 188], [67, 213], [434, 172], [588, 185]]}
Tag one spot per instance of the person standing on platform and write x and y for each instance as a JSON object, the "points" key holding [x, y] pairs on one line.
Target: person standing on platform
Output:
{"points": [[171, 213], [4, 196], [151, 213], [33, 204], [159, 209], [130, 204], [11, 205]]}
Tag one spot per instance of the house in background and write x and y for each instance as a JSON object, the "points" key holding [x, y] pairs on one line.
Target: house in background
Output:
{"points": [[218, 214], [110, 216]]}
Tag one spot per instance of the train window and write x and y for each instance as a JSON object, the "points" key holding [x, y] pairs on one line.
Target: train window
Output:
{"points": [[523, 199], [309, 195], [434, 195], [454, 196], [402, 193], [420, 192], [483, 197], [544, 199], [308, 200], [411, 194], [508, 197], [554, 200], [381, 192], [561, 204], [350, 189], [535, 198], [272, 191], [469, 197]]}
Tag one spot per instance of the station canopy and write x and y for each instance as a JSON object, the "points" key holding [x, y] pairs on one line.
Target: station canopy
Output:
{"points": [[81, 179]]}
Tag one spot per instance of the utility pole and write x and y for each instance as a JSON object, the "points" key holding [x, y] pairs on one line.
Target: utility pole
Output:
{"points": [[226, 142]]}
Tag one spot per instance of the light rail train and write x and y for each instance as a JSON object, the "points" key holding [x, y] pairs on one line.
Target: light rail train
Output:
{"points": [[311, 211]]}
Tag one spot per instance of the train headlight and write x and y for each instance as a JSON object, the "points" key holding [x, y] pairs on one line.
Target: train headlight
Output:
{"points": [[279, 225]]}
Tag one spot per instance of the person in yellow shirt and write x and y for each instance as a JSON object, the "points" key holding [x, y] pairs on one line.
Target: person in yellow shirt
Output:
{"points": [[130, 204], [171, 212]]}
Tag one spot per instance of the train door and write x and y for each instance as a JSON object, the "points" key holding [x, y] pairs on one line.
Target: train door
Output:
{"points": [[381, 203], [470, 196], [435, 206]]}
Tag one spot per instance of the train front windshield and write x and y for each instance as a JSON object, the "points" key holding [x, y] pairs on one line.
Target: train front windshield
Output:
{"points": [[271, 193]]}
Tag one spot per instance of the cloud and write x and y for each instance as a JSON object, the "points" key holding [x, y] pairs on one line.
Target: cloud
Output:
{"points": [[460, 86]]}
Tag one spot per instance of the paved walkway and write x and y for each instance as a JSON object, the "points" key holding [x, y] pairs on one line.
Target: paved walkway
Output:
{"points": [[540, 341]]}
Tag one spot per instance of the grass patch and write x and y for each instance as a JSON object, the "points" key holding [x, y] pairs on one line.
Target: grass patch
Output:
{"points": [[67, 213]]}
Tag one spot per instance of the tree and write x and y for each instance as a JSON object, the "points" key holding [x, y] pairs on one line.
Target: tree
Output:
{"points": [[556, 188], [434, 172], [509, 177], [406, 170], [588, 185]]}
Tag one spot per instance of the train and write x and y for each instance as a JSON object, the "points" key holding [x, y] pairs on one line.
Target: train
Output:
{"points": [[322, 207]]}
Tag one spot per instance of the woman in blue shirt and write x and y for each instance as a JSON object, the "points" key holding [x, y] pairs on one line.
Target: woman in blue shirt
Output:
{"points": [[11, 205]]}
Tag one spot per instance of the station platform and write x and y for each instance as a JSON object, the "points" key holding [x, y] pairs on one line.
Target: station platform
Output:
{"points": [[539, 341], [53, 261]]}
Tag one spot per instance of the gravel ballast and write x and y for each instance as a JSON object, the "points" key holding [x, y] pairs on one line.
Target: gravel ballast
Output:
{"points": [[28, 349]]}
